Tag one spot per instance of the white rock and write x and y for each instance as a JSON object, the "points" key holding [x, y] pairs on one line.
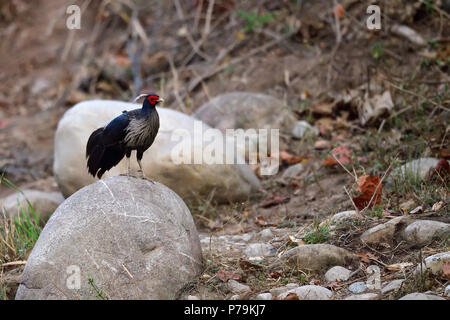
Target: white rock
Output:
{"points": [[315, 257], [293, 171], [245, 110], [230, 182], [409, 34], [237, 288], [266, 234], [416, 169], [337, 273], [363, 296], [434, 263], [309, 292], [264, 296], [234, 297], [447, 291], [392, 286], [384, 233], [421, 296], [279, 290], [258, 250], [422, 231], [192, 298], [345, 216], [302, 128], [135, 239]]}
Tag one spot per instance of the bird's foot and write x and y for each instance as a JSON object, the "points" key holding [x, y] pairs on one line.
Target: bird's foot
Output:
{"points": [[143, 176]]}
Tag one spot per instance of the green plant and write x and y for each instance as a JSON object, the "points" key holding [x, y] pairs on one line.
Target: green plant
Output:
{"points": [[377, 50], [18, 233], [254, 20], [319, 233], [375, 211], [99, 292]]}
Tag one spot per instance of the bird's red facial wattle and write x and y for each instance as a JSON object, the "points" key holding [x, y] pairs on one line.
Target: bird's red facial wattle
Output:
{"points": [[153, 99]]}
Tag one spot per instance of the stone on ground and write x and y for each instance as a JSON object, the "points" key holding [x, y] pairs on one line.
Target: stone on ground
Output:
{"points": [[160, 162], [128, 238]]}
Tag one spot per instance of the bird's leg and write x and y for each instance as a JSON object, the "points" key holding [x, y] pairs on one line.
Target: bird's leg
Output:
{"points": [[139, 155], [141, 170]]}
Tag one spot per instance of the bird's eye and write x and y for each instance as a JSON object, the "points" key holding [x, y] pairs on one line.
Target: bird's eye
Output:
{"points": [[152, 99]]}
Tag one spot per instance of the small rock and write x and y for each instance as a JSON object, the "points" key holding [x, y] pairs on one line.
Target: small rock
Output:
{"points": [[302, 128], [409, 34], [421, 296], [392, 286], [357, 287], [363, 296], [407, 205], [417, 210], [192, 298], [315, 257], [416, 169], [434, 263], [309, 292], [234, 297], [237, 288], [322, 144], [44, 203], [422, 232], [279, 290], [337, 273], [266, 234], [345, 216], [293, 171], [384, 233], [246, 237], [39, 86], [264, 296], [258, 250], [447, 291]]}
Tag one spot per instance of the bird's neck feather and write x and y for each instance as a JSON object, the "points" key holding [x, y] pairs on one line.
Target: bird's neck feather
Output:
{"points": [[147, 106]]}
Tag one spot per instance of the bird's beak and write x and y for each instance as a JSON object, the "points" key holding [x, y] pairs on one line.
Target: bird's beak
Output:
{"points": [[160, 100]]}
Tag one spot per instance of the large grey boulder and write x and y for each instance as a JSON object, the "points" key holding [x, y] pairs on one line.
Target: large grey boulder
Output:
{"points": [[225, 182], [246, 110], [127, 238], [44, 203]]}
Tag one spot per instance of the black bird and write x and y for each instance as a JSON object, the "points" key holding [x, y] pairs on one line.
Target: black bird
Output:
{"points": [[132, 130]]}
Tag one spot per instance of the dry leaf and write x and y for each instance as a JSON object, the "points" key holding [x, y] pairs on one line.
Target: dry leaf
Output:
{"points": [[275, 201], [342, 153], [225, 275], [292, 296], [399, 266], [338, 11], [368, 185], [446, 270]]}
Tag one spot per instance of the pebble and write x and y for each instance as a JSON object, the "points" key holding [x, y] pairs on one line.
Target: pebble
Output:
{"points": [[363, 296], [279, 290], [237, 288], [301, 128], [258, 250], [337, 273], [266, 234], [392, 286], [309, 292], [357, 287], [264, 296], [293, 171], [421, 296]]}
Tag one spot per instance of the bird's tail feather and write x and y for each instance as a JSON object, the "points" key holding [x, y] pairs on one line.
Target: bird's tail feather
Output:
{"points": [[100, 157]]}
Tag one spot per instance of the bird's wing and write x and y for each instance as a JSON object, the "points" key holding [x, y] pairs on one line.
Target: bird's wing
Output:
{"points": [[115, 130]]}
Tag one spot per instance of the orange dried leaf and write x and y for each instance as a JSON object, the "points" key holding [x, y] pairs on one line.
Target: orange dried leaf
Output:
{"points": [[342, 153], [339, 11], [225, 275], [368, 185]]}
